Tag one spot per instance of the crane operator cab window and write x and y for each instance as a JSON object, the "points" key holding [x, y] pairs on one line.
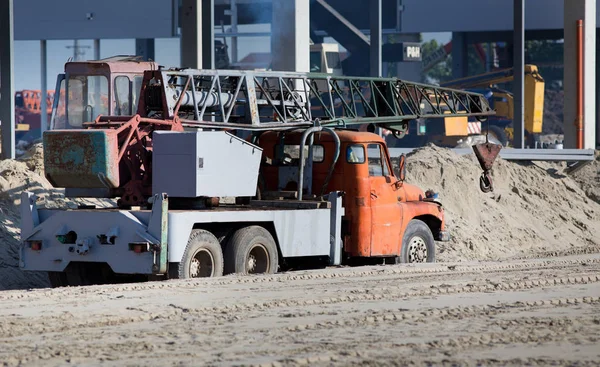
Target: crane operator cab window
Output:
{"points": [[122, 101], [87, 97]]}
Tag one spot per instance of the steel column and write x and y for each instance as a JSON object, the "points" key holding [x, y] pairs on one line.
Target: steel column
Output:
{"points": [[144, 47], [597, 93], [375, 49], [580, 10], [208, 34], [96, 49], [234, 29], [197, 34], [44, 73], [460, 62], [7, 88], [290, 33], [519, 65]]}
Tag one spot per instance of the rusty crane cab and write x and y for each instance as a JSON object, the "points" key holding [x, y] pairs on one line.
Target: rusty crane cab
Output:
{"points": [[108, 86]]}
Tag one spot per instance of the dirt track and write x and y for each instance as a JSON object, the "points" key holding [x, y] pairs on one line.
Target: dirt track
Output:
{"points": [[530, 311]]}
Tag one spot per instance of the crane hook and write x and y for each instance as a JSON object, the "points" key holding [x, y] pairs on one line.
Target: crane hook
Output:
{"points": [[485, 182]]}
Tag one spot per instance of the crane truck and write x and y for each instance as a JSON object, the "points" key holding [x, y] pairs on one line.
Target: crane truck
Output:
{"points": [[308, 187]]}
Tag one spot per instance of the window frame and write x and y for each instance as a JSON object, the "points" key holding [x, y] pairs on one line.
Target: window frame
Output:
{"points": [[383, 163]]}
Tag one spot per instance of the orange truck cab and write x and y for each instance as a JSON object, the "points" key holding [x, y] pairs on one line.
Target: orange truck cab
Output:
{"points": [[384, 216]]}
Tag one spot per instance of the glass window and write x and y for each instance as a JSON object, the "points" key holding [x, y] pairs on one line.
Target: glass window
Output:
{"points": [[137, 87], [315, 62], [88, 98], [292, 152], [333, 60], [75, 111], [377, 162], [59, 120], [355, 154], [121, 96]]}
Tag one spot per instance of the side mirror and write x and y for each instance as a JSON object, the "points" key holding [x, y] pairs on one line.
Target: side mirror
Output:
{"points": [[402, 167]]}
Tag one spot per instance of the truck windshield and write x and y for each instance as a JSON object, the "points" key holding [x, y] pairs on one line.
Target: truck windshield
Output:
{"points": [[88, 98]]}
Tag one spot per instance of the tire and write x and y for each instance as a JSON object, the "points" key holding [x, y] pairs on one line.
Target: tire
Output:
{"points": [[203, 256], [417, 239], [499, 134], [251, 250]]}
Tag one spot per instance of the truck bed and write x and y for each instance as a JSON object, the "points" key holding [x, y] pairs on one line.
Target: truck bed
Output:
{"points": [[300, 229]]}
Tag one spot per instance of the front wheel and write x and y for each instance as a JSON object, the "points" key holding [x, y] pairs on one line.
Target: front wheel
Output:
{"points": [[418, 245]]}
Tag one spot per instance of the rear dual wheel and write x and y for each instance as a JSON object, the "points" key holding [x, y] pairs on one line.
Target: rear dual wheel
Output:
{"points": [[251, 250], [202, 257]]}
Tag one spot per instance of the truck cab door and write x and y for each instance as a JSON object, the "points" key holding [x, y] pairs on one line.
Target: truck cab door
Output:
{"points": [[386, 211]]}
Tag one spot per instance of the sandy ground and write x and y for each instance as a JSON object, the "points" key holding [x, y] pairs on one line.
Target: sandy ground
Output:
{"points": [[535, 312], [537, 303]]}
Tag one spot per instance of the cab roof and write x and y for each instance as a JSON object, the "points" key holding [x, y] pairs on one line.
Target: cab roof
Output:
{"points": [[120, 64]]}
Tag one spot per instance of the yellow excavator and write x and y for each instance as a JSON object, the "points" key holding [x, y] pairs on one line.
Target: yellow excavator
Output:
{"points": [[502, 101]]}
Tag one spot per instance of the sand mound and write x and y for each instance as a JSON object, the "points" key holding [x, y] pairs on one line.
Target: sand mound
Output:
{"points": [[16, 176], [589, 178], [532, 210], [34, 158]]}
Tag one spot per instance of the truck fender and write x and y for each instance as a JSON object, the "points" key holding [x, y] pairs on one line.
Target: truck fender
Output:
{"points": [[430, 212]]}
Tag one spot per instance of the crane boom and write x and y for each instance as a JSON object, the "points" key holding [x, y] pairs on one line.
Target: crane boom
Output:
{"points": [[249, 100]]}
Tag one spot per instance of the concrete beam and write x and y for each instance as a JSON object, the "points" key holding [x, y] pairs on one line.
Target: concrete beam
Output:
{"points": [[519, 73], [7, 87], [597, 91], [460, 61], [585, 10], [197, 34], [290, 33], [144, 47], [375, 46]]}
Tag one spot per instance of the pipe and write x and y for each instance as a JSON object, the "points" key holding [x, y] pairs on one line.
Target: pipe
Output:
{"points": [[579, 113], [305, 135], [210, 99], [336, 140]]}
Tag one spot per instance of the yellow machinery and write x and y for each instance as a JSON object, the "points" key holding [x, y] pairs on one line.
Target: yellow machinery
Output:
{"points": [[502, 100]]}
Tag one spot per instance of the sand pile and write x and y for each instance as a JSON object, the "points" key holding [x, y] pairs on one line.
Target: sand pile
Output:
{"points": [[533, 210], [16, 176], [589, 178]]}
